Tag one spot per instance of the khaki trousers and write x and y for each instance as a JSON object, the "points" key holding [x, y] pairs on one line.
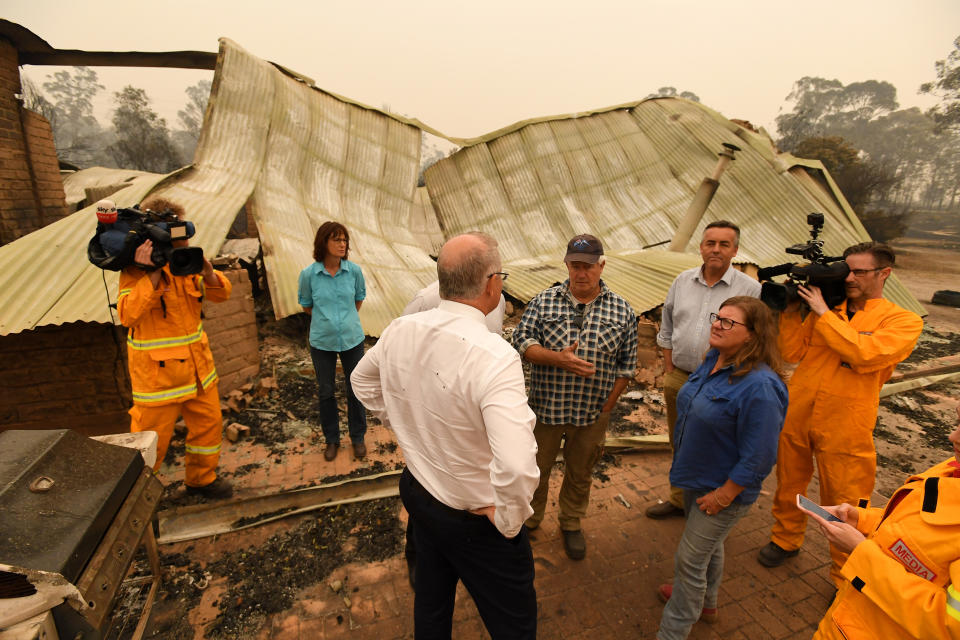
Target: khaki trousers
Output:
{"points": [[582, 447], [671, 387]]}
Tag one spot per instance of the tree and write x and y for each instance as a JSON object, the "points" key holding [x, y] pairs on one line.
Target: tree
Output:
{"points": [[947, 88], [671, 92], [76, 131], [143, 141], [191, 116], [824, 107], [34, 100], [834, 152], [862, 182]]}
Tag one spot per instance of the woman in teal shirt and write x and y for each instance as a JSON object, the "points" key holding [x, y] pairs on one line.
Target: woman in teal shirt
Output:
{"points": [[331, 290]]}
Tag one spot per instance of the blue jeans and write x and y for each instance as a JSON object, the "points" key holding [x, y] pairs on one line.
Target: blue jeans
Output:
{"points": [[697, 565], [325, 366]]}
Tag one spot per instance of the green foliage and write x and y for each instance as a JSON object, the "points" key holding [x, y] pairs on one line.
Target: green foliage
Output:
{"points": [[143, 141], [903, 159], [833, 151], [76, 132], [861, 181], [34, 100], [191, 116], [946, 115], [884, 226], [823, 107]]}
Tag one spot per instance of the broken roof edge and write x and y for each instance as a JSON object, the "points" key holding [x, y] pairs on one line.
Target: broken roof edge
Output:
{"points": [[516, 126]]}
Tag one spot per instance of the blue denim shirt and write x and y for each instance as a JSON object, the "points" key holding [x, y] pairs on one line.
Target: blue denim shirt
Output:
{"points": [[334, 323], [727, 428]]}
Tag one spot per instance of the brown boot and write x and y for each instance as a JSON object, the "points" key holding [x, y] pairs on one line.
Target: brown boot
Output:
{"points": [[331, 452], [359, 450]]}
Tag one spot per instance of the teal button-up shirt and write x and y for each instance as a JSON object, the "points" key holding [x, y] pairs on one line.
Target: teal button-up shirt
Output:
{"points": [[335, 323]]}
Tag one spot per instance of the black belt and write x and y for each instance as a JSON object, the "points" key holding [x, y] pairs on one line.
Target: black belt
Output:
{"points": [[420, 489]]}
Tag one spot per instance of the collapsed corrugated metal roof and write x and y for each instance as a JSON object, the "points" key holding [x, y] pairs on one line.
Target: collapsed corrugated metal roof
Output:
{"points": [[627, 175], [297, 156], [89, 185]]}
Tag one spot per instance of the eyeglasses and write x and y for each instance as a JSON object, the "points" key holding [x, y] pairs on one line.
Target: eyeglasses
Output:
{"points": [[859, 273], [725, 323], [503, 275]]}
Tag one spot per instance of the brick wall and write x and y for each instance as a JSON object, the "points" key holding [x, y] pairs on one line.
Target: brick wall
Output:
{"points": [[31, 191], [70, 376], [46, 167], [75, 375], [232, 328]]}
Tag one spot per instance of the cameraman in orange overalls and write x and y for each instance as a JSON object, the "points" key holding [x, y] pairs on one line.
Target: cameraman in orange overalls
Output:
{"points": [[171, 365], [845, 355]]}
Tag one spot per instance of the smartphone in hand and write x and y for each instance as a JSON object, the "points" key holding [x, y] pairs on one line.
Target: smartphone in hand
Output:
{"points": [[807, 504]]}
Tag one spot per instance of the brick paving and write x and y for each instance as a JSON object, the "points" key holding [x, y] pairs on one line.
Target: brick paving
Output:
{"points": [[610, 594]]}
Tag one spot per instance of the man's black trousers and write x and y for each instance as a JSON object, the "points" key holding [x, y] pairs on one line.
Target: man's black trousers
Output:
{"points": [[452, 544]]}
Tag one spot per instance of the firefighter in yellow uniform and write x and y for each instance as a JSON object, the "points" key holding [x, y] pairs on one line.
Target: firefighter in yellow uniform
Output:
{"points": [[845, 355], [902, 579], [171, 365]]}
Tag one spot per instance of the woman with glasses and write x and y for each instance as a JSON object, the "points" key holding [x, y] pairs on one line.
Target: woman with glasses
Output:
{"points": [[729, 415], [331, 290]]}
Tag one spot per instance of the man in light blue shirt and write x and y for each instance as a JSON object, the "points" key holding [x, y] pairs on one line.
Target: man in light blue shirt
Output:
{"points": [[685, 325]]}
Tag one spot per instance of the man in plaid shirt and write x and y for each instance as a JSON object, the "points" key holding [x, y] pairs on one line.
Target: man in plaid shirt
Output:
{"points": [[581, 340]]}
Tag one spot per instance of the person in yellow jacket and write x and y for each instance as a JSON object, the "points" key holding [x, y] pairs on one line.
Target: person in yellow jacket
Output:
{"points": [[845, 355], [902, 579], [171, 365]]}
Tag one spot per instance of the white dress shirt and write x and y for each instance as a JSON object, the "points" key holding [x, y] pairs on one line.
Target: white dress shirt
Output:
{"points": [[453, 394], [429, 297]]}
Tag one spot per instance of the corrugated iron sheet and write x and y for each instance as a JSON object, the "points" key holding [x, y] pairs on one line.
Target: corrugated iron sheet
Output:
{"points": [[627, 175], [297, 156], [98, 182]]}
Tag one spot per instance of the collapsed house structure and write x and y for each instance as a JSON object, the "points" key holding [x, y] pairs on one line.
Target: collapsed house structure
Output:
{"points": [[291, 155]]}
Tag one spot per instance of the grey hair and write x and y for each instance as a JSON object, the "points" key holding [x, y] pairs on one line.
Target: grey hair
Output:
{"points": [[465, 279]]}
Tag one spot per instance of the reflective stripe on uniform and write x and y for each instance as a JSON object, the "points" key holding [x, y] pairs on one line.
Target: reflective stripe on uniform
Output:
{"points": [[203, 451], [124, 292], [167, 394], [953, 603], [209, 379], [170, 341]]}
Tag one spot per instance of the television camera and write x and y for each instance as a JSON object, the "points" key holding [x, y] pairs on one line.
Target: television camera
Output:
{"points": [[120, 232], [826, 272]]}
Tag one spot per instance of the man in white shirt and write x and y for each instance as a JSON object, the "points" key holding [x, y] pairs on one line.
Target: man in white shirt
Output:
{"points": [[429, 297], [685, 326], [453, 393]]}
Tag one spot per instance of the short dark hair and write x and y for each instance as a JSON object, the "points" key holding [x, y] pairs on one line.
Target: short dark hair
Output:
{"points": [[324, 233], [724, 224], [883, 254]]}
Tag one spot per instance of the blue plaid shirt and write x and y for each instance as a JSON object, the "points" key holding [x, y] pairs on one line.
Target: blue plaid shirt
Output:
{"points": [[607, 338]]}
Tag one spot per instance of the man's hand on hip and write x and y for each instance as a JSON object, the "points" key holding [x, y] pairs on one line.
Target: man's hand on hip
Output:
{"points": [[485, 511]]}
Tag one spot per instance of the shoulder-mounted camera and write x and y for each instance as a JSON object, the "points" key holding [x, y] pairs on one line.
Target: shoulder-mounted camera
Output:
{"points": [[121, 231], [827, 273]]}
